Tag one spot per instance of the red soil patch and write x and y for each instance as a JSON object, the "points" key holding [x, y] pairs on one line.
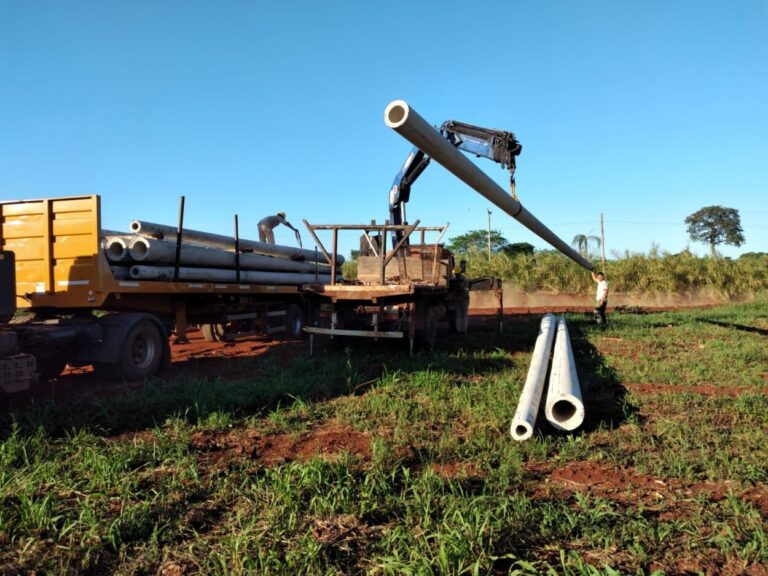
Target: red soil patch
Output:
{"points": [[453, 470], [212, 357], [327, 442], [670, 496], [703, 389]]}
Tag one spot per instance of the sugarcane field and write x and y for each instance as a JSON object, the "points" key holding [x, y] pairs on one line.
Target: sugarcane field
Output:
{"points": [[222, 353]]}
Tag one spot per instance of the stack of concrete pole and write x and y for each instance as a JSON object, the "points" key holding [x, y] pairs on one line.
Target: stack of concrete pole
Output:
{"points": [[148, 252], [564, 408]]}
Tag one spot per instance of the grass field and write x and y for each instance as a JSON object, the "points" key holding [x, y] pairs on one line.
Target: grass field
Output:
{"points": [[365, 461]]}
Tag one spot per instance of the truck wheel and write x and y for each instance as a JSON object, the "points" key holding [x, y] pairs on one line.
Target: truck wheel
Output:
{"points": [[428, 336], [140, 357], [294, 321]]}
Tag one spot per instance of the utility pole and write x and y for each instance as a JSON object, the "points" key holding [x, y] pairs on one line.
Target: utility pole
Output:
{"points": [[602, 239], [489, 234]]}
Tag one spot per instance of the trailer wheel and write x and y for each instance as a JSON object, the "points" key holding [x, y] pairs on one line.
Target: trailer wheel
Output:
{"points": [[140, 356], [294, 321]]}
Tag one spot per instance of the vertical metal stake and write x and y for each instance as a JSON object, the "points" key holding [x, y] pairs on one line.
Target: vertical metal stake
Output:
{"points": [[237, 250], [333, 256], [179, 232]]}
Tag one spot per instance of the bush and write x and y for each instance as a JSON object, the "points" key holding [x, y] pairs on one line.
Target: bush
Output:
{"points": [[636, 273]]}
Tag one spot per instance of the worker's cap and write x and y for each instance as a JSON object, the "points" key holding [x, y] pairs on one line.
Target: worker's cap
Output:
{"points": [[281, 214]]}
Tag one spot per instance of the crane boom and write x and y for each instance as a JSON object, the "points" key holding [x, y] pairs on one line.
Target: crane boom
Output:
{"points": [[498, 145]]}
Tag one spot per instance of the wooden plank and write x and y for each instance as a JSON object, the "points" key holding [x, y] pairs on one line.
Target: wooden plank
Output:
{"points": [[32, 249], [22, 227], [73, 224], [74, 247], [22, 208], [79, 204]]}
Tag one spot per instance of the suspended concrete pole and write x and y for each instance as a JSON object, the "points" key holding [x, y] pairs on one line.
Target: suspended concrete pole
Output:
{"points": [[207, 239], [564, 408], [406, 121], [530, 398]]}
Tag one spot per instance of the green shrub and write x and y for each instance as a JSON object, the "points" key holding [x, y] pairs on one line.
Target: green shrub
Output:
{"points": [[637, 273]]}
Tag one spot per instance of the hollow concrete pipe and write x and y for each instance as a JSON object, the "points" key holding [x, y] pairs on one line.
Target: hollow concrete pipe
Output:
{"points": [[564, 408], [533, 389], [120, 272], [151, 251], [162, 231], [116, 248], [165, 273], [406, 121]]}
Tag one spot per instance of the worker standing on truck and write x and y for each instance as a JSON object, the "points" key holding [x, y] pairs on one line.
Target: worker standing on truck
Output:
{"points": [[601, 297], [266, 225]]}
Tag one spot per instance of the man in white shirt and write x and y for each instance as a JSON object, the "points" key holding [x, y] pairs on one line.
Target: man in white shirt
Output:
{"points": [[601, 296]]}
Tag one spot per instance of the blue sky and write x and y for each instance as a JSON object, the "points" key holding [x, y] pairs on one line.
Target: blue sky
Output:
{"points": [[645, 111]]}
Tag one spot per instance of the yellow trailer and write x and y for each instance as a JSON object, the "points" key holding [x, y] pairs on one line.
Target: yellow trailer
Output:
{"points": [[64, 279]]}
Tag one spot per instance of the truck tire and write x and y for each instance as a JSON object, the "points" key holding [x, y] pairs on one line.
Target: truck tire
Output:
{"points": [[141, 354], [294, 322]]}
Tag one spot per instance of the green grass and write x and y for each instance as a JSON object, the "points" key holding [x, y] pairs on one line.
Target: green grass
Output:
{"points": [[122, 485]]}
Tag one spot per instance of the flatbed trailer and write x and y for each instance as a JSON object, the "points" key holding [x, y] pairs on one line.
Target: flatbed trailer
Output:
{"points": [[80, 313]]}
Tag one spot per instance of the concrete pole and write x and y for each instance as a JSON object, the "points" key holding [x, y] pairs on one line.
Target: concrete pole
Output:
{"points": [[116, 248], [165, 274], [530, 398], [120, 272], [161, 231], [564, 408], [151, 251], [406, 121]]}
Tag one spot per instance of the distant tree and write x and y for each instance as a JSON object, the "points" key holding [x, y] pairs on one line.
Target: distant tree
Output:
{"points": [[582, 243], [476, 241], [518, 248], [354, 254], [715, 225]]}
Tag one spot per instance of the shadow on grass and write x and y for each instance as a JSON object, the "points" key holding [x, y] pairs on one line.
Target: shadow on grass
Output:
{"points": [[742, 327], [244, 386], [605, 398]]}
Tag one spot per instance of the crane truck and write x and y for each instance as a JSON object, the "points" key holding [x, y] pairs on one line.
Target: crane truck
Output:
{"points": [[405, 292]]}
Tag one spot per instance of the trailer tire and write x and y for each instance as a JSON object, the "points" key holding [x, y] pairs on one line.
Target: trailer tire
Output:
{"points": [[141, 354], [294, 322]]}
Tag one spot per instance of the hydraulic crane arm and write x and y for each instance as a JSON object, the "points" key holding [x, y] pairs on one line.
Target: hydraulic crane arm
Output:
{"points": [[498, 145]]}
